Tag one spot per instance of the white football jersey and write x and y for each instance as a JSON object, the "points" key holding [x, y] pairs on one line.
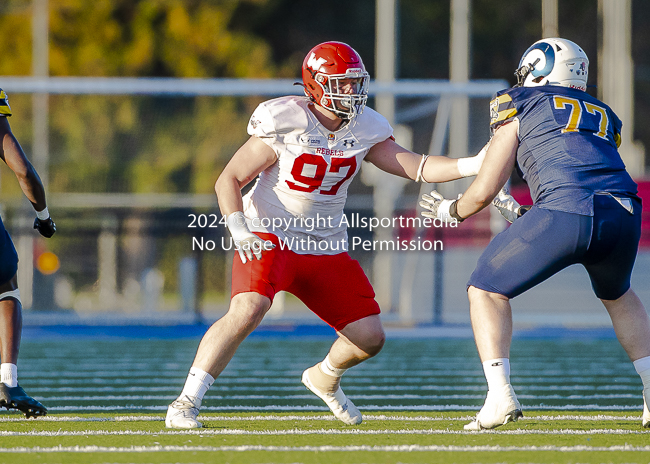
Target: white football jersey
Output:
{"points": [[300, 198]]}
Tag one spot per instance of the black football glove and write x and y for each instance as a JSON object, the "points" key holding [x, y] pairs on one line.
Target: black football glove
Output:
{"points": [[45, 227]]}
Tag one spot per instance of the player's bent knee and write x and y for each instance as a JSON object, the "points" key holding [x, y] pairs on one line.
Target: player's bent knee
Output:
{"points": [[377, 343], [249, 306], [367, 334], [477, 295], [372, 343]]}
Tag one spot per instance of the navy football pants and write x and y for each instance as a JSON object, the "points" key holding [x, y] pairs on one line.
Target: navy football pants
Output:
{"points": [[8, 256], [543, 242]]}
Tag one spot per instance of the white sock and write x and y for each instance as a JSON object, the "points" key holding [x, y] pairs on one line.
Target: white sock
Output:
{"points": [[9, 374], [497, 372], [327, 368], [642, 367], [198, 382]]}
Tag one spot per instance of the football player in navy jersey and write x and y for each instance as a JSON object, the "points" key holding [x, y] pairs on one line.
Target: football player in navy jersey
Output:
{"points": [[563, 143], [11, 394]]}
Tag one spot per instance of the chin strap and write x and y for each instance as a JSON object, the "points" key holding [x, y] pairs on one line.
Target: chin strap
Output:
{"points": [[304, 87]]}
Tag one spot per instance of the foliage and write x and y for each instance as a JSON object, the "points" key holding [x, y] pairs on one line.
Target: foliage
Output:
{"points": [[180, 38], [131, 144]]}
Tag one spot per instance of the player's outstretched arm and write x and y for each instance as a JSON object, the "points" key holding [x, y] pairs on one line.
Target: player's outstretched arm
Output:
{"points": [[495, 171], [30, 183], [251, 159], [395, 159]]}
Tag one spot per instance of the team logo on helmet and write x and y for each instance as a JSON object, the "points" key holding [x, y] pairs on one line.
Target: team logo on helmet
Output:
{"points": [[315, 63]]}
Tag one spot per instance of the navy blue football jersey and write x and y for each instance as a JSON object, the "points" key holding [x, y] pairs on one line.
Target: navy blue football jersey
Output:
{"points": [[568, 146]]}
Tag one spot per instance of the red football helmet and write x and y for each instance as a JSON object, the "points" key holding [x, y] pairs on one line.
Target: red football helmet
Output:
{"points": [[334, 77]]}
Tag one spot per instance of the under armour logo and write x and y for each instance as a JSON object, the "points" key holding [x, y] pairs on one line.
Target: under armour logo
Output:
{"points": [[315, 63], [348, 143]]}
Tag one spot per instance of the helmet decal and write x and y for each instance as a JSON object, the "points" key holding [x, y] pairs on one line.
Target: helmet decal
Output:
{"points": [[315, 63], [549, 58]]}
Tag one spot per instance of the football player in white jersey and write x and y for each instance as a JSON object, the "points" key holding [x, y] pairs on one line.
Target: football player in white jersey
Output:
{"points": [[306, 150]]}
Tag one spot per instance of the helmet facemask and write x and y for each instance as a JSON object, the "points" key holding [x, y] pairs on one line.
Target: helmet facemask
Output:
{"points": [[344, 94]]}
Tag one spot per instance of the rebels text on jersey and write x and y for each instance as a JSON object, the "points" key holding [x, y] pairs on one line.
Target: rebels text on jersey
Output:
{"points": [[567, 145], [306, 189]]}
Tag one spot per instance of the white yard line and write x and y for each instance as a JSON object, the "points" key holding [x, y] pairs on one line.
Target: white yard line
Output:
{"points": [[372, 407], [77, 398], [238, 432], [325, 417], [402, 397], [348, 388], [18, 418], [244, 448]]}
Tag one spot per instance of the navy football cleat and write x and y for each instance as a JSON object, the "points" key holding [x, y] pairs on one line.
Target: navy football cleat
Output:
{"points": [[16, 398]]}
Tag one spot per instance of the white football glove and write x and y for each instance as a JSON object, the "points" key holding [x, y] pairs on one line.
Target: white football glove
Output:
{"points": [[247, 243], [509, 208], [438, 207], [470, 166]]}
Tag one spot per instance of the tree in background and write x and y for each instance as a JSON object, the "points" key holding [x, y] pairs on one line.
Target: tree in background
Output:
{"points": [[141, 144]]}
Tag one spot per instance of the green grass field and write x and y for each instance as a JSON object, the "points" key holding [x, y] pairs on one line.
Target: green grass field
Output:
{"points": [[542, 436], [107, 399]]}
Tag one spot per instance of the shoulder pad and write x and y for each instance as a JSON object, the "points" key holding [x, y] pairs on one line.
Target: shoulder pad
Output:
{"points": [[278, 116], [5, 109], [501, 108], [371, 127]]}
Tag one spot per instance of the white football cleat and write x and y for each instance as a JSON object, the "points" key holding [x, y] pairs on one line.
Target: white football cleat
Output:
{"points": [[182, 413], [341, 406], [501, 406], [645, 421]]}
